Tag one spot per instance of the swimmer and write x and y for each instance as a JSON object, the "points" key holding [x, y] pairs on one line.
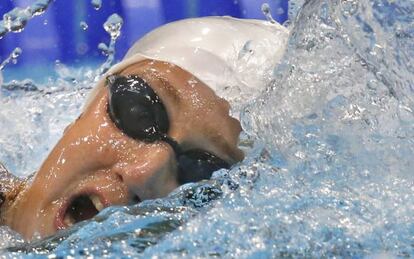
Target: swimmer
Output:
{"points": [[153, 122]]}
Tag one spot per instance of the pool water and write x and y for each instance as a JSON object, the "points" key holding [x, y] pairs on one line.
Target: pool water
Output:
{"points": [[328, 171]]}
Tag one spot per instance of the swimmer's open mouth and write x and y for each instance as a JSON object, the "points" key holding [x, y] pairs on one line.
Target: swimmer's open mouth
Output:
{"points": [[81, 207]]}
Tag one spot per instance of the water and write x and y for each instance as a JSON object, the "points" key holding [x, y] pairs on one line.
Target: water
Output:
{"points": [[83, 25], [267, 12], [13, 58], [16, 19], [328, 171], [112, 26], [97, 4]]}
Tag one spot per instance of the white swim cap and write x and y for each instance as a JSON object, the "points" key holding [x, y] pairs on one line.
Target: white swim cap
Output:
{"points": [[230, 55]]}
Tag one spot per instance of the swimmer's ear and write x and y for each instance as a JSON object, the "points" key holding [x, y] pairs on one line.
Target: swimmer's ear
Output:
{"points": [[10, 186]]}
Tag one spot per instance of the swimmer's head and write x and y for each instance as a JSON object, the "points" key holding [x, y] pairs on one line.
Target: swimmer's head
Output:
{"points": [[153, 122]]}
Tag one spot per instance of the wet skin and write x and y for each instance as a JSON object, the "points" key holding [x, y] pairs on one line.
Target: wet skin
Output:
{"points": [[95, 159]]}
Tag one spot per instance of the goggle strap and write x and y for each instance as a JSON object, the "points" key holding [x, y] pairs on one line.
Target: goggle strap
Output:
{"points": [[174, 144]]}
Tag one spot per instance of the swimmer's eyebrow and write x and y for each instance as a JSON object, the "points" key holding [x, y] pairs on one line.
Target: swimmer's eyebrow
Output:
{"points": [[172, 91]]}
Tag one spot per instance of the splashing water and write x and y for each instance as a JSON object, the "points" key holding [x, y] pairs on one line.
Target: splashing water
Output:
{"points": [[328, 170], [294, 7], [113, 27], [12, 57], [267, 13], [35, 116], [16, 19]]}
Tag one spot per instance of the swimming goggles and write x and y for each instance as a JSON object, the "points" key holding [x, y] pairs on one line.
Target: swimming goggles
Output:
{"points": [[138, 111]]}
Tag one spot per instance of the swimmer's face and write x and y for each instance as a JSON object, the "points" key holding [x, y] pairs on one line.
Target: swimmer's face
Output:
{"points": [[96, 164]]}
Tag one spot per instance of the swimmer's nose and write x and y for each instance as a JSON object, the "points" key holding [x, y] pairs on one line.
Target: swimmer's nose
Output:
{"points": [[152, 175]]}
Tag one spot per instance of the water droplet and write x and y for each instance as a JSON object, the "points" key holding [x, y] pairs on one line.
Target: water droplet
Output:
{"points": [[266, 12], [97, 4], [113, 25], [16, 52], [12, 57], [102, 46], [83, 25]]}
